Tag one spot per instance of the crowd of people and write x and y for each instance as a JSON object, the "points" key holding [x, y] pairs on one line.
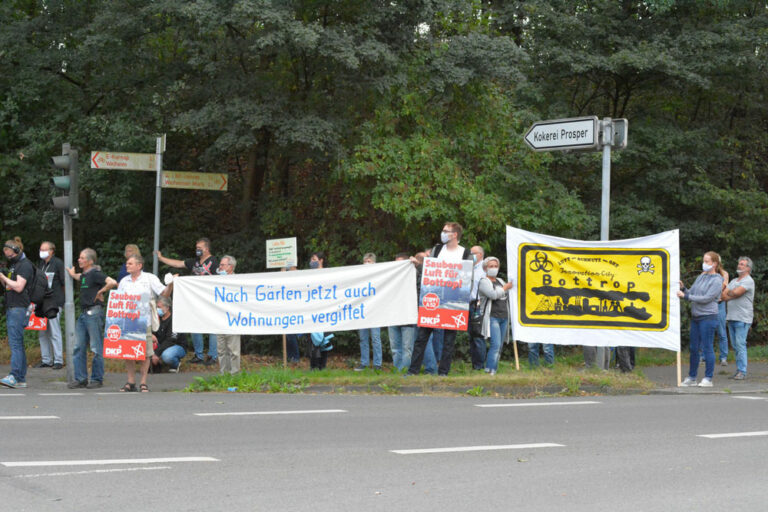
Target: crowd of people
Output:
{"points": [[717, 305]]}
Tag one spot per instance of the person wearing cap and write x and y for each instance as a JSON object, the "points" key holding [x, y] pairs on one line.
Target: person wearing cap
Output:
{"points": [[17, 303]]}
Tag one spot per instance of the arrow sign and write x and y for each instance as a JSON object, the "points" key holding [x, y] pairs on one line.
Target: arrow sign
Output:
{"points": [[124, 161], [195, 180], [563, 134]]}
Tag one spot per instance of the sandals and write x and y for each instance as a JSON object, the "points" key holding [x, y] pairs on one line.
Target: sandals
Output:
{"points": [[129, 387], [144, 388]]}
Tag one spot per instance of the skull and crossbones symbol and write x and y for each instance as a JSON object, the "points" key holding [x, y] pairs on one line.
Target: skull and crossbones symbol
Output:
{"points": [[645, 265]]}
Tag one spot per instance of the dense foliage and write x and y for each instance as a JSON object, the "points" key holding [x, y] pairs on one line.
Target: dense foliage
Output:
{"points": [[363, 126]]}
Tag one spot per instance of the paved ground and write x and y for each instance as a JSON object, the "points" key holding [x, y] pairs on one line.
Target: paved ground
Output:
{"points": [[45, 379]]}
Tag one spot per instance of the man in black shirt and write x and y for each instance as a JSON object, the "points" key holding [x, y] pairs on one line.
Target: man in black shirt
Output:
{"points": [[20, 273], [170, 347], [89, 328], [50, 339], [205, 264]]}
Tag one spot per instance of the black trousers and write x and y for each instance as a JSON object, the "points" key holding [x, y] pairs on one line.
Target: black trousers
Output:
{"points": [[449, 340]]}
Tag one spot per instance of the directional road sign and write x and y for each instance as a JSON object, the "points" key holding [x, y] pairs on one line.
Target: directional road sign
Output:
{"points": [[564, 134], [124, 161], [195, 180]]}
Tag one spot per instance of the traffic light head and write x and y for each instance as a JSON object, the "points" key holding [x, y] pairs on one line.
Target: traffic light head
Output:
{"points": [[67, 183]]}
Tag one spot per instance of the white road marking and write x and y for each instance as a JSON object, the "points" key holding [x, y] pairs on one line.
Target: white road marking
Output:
{"points": [[11, 394], [478, 448], [538, 404], [91, 471], [750, 397], [102, 462], [735, 434], [117, 393], [29, 418], [261, 413], [60, 394]]}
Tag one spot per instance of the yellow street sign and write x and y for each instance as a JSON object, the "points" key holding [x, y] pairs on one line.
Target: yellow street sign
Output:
{"points": [[124, 161], [195, 180]]}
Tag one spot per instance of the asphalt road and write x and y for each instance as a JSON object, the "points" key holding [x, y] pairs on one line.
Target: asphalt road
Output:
{"points": [[165, 451]]}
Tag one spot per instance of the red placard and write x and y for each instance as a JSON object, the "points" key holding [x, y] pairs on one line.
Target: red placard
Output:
{"points": [[36, 323]]}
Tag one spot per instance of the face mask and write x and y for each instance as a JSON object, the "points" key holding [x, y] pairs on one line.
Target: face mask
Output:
{"points": [[160, 312], [198, 252], [740, 271], [314, 264], [221, 272], [706, 267], [445, 237], [44, 255], [492, 272]]}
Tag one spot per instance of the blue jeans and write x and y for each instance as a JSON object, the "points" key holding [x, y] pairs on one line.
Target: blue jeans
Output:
{"points": [[292, 348], [173, 355], [401, 338], [433, 351], [199, 346], [15, 321], [498, 329], [739, 331], [374, 334], [89, 330], [533, 354], [702, 336], [721, 335]]}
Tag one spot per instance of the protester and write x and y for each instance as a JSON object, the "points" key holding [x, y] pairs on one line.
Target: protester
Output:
{"points": [[703, 295], [434, 348], [533, 354], [448, 250], [721, 331], [476, 343], [130, 250], [136, 283], [89, 328], [204, 264], [740, 296], [373, 334], [492, 291], [229, 344], [169, 347], [319, 342], [401, 337], [20, 272], [51, 346]]}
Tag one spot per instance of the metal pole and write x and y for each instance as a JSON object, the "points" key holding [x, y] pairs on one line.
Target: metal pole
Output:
{"points": [[603, 354], [158, 190], [69, 300]]}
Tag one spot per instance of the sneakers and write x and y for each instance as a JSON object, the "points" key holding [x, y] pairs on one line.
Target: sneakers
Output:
{"points": [[174, 370], [94, 384], [76, 384], [195, 360], [11, 382], [57, 366], [705, 383], [688, 382], [43, 365], [738, 376], [723, 362], [360, 368], [492, 372]]}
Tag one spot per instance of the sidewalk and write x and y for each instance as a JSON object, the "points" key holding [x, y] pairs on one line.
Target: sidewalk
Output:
{"points": [[665, 378]]}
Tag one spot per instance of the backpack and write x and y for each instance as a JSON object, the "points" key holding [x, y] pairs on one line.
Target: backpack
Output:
{"points": [[38, 290]]}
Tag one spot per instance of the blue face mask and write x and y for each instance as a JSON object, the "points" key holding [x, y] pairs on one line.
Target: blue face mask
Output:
{"points": [[160, 312], [314, 264], [221, 272]]}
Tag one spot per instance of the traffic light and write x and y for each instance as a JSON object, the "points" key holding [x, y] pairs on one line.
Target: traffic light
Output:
{"points": [[67, 182]]}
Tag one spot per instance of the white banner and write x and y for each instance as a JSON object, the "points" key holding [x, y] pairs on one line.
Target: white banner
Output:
{"points": [[301, 301], [605, 294]]}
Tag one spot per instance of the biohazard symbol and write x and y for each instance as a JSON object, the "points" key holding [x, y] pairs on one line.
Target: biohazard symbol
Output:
{"points": [[540, 262]]}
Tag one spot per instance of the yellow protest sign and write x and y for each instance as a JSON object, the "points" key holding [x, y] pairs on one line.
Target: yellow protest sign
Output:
{"points": [[593, 288]]}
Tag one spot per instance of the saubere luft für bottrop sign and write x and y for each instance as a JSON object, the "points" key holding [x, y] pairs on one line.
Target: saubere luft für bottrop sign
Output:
{"points": [[608, 293]]}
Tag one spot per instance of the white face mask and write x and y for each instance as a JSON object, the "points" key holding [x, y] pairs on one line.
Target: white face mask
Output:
{"points": [[44, 255], [493, 272], [445, 237], [706, 267], [741, 271]]}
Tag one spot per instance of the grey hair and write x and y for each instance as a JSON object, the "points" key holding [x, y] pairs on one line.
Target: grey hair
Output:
{"points": [[90, 254], [369, 256], [748, 260], [165, 301], [489, 259], [231, 259]]}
